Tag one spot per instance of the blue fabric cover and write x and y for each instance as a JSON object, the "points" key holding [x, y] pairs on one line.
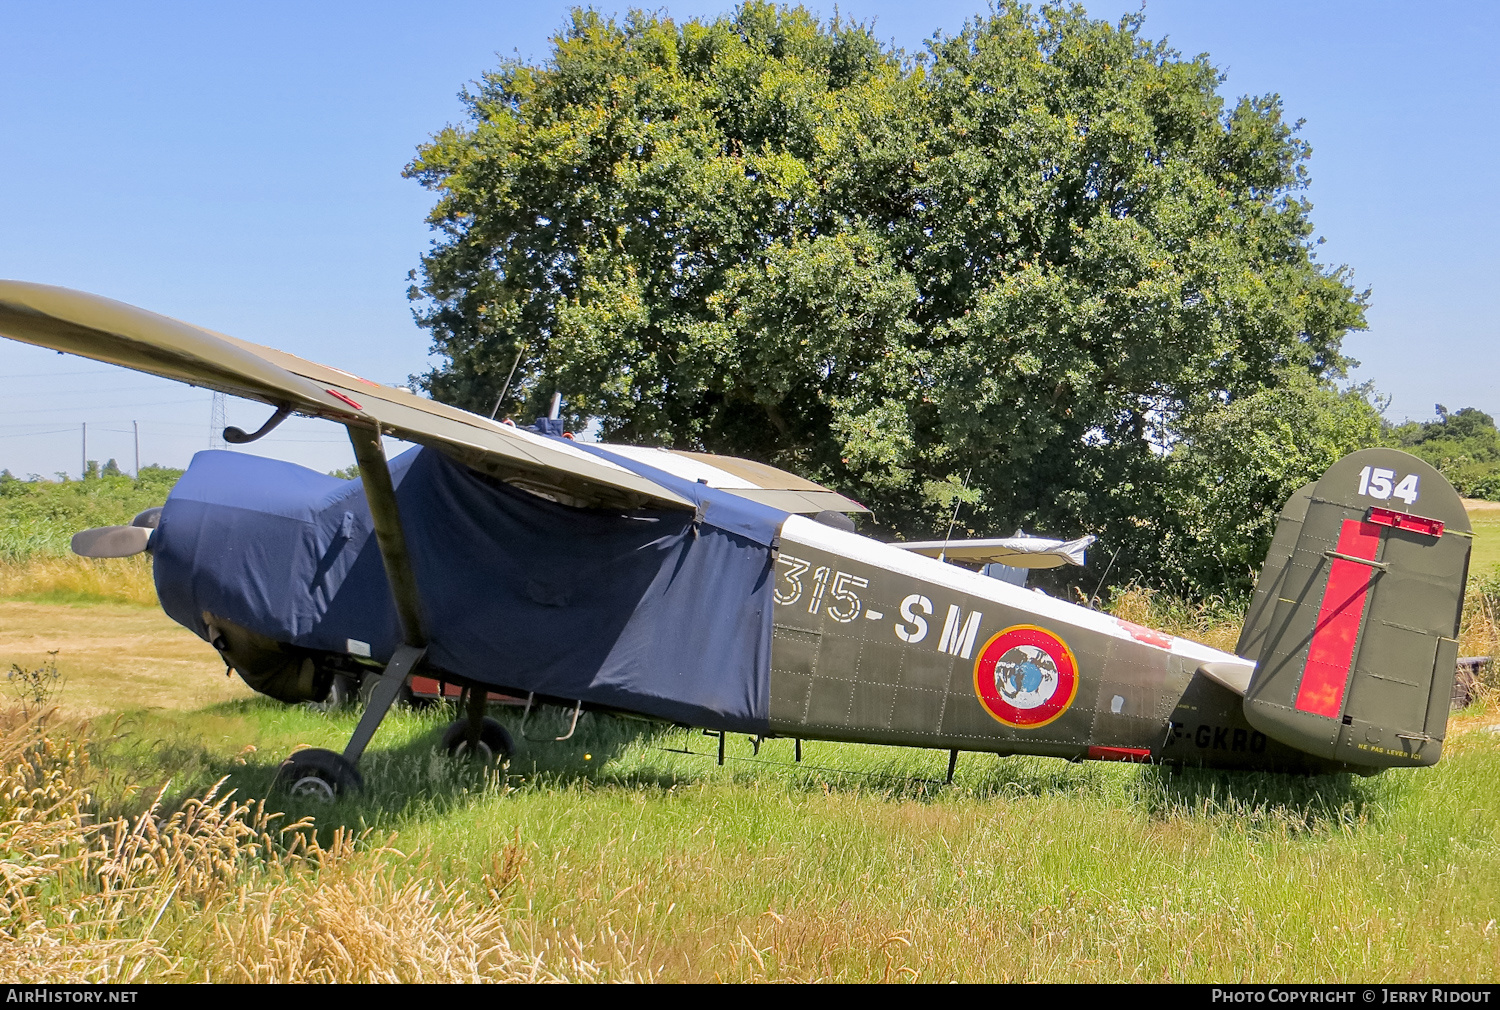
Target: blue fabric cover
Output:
{"points": [[652, 611]]}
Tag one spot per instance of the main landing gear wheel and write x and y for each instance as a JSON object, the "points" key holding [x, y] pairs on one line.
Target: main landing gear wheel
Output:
{"points": [[494, 740], [317, 774]]}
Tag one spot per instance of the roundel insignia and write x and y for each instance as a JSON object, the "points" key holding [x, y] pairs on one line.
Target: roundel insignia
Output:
{"points": [[1025, 676]]}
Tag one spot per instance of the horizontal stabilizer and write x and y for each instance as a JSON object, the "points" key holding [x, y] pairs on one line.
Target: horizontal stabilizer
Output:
{"points": [[1017, 552], [759, 482], [1235, 676]]}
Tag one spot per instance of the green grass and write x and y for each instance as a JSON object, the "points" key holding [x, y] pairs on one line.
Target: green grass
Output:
{"points": [[860, 864], [1486, 554], [38, 519], [630, 848]]}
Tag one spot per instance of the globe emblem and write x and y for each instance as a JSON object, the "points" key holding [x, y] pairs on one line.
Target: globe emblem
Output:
{"points": [[1026, 677]]}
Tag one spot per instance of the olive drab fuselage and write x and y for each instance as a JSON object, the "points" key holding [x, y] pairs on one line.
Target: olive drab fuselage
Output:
{"points": [[874, 644], [1346, 660]]}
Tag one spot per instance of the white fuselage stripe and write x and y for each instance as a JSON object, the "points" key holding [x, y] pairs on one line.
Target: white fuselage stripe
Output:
{"points": [[801, 530]]}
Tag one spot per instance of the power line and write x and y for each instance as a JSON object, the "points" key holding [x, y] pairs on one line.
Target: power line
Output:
{"points": [[179, 430], [29, 434], [100, 406], [86, 371], [269, 440], [48, 390]]}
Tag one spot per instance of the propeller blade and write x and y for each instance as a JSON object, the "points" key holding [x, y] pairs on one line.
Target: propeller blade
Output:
{"points": [[151, 518], [111, 541]]}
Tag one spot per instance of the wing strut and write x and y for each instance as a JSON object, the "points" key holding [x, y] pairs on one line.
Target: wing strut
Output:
{"points": [[309, 771], [380, 493]]}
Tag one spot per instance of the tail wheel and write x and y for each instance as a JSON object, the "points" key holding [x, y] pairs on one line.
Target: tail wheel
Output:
{"points": [[317, 774], [495, 742], [343, 689], [367, 686]]}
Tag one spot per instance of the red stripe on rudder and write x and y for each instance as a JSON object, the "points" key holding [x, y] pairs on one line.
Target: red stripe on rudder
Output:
{"points": [[1331, 653]]}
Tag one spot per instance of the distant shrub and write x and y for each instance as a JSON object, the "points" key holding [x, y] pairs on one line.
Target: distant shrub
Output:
{"points": [[1463, 445], [39, 517]]}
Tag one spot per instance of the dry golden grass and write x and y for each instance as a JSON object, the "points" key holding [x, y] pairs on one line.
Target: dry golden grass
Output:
{"points": [[360, 923], [1213, 622], [115, 656], [215, 890], [1479, 635], [50, 845], [73, 579], [1480, 632]]}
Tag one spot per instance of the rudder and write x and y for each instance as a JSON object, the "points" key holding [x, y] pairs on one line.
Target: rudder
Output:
{"points": [[1354, 623]]}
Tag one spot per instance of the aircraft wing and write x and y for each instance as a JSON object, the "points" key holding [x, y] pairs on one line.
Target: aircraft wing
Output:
{"points": [[110, 331], [746, 478], [1017, 552]]}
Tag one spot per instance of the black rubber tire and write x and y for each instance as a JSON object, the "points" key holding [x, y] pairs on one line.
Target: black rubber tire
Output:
{"points": [[492, 737], [342, 692], [404, 697], [318, 774]]}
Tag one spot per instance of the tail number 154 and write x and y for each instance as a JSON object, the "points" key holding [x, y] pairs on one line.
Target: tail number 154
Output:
{"points": [[1378, 482]]}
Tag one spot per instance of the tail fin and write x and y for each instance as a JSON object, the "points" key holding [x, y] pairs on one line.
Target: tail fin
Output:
{"points": [[1354, 623]]}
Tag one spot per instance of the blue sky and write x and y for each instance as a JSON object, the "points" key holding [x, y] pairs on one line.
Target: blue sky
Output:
{"points": [[240, 167]]}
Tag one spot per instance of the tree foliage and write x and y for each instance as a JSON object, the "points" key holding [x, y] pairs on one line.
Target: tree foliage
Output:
{"points": [[1031, 260], [1240, 463], [1464, 445]]}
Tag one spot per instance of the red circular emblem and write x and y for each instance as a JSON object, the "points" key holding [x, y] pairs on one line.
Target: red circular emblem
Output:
{"points": [[1025, 676]]}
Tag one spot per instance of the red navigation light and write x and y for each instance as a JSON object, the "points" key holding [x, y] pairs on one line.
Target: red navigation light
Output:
{"points": [[341, 396]]}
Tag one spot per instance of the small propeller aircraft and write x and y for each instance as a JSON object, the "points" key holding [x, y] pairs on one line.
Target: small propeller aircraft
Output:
{"points": [[725, 594]]}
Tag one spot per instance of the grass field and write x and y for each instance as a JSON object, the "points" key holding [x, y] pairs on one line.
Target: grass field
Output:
{"points": [[627, 853], [1485, 517]]}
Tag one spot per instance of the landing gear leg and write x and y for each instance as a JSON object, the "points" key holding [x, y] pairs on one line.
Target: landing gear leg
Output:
{"points": [[478, 702], [476, 734], [304, 770], [387, 690], [323, 774]]}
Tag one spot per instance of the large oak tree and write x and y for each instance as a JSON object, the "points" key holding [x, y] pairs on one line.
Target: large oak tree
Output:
{"points": [[1034, 259]]}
